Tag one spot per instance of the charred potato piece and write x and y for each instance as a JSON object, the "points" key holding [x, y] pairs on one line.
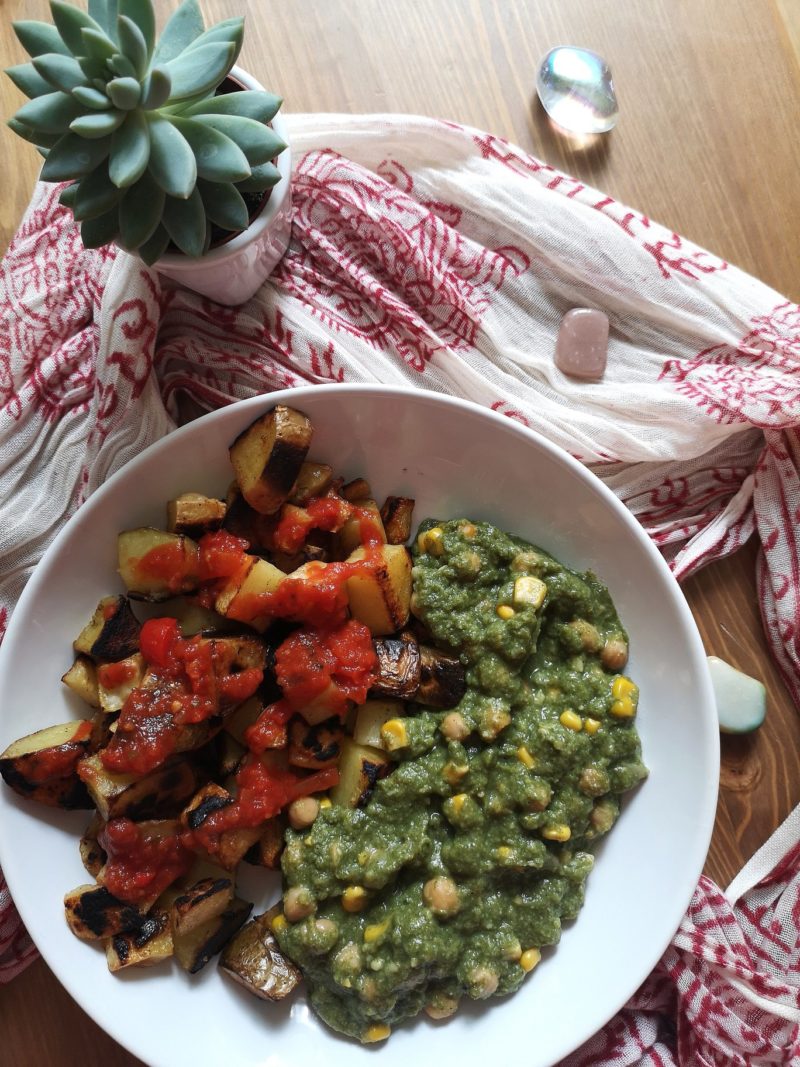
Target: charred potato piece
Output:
{"points": [[162, 792], [43, 766], [244, 716], [92, 853], [240, 653], [111, 634], [443, 680], [397, 514], [364, 524], [156, 565], [194, 515], [210, 798], [206, 899], [381, 596], [253, 959], [93, 913], [399, 666], [357, 491], [266, 852], [313, 480], [145, 947], [315, 747], [116, 681], [243, 521], [238, 597], [371, 716], [81, 678], [194, 949], [268, 455], [360, 767]]}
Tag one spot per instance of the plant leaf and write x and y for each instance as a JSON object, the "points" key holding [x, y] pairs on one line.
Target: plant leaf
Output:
{"points": [[62, 72], [229, 31], [67, 195], [263, 177], [37, 38], [248, 104], [142, 14], [224, 205], [172, 161], [140, 212], [28, 80], [183, 27], [104, 12], [121, 66], [92, 98], [100, 231], [156, 88], [130, 150], [74, 157], [97, 45], [98, 124], [69, 22], [51, 113], [124, 93], [185, 222], [96, 194], [219, 159], [154, 249], [133, 44], [35, 137], [258, 142], [95, 70], [200, 70]]}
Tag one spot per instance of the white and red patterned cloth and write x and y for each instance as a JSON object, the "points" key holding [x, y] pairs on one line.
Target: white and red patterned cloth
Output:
{"points": [[428, 254]]}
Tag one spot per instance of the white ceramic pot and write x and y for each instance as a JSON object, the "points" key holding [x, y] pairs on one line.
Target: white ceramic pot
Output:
{"points": [[232, 272]]}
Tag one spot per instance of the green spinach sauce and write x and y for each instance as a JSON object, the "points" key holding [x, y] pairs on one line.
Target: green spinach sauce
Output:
{"points": [[471, 855]]}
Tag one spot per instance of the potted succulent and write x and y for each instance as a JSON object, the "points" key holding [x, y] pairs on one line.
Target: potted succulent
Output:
{"points": [[168, 150]]}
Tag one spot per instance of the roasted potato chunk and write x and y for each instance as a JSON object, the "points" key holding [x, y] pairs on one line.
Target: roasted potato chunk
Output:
{"points": [[268, 456], [253, 959], [92, 853], [360, 767], [156, 565], [313, 480], [397, 514], [194, 515], [43, 766], [116, 681], [202, 901], [81, 678], [443, 680], [364, 525], [266, 852], [381, 596], [195, 948], [162, 792], [93, 913], [315, 747], [150, 944], [111, 634], [239, 597], [371, 716]]}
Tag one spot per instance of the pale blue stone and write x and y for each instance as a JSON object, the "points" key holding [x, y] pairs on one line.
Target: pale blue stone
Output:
{"points": [[577, 91], [741, 700]]}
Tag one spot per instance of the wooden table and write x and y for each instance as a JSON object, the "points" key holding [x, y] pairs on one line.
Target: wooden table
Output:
{"points": [[709, 94]]}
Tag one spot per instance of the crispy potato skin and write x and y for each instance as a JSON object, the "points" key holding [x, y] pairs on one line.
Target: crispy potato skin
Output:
{"points": [[268, 456], [252, 958]]}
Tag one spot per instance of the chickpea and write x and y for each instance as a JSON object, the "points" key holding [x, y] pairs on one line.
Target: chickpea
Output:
{"points": [[614, 655], [298, 903], [441, 896], [441, 1006], [494, 720], [587, 634], [455, 727], [483, 982], [321, 935], [593, 782], [525, 562], [604, 815], [349, 958], [303, 812]]}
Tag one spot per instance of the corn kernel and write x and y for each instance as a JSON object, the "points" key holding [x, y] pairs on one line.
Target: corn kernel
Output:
{"points": [[529, 592], [503, 852], [529, 958], [622, 687], [325, 802], [469, 530], [591, 726], [278, 922], [432, 541], [394, 734], [571, 720], [623, 708], [375, 931], [454, 772], [505, 612], [557, 832], [354, 898], [458, 801], [376, 1032], [524, 756]]}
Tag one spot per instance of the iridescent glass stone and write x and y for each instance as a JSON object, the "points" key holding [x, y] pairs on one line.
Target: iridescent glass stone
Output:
{"points": [[577, 91]]}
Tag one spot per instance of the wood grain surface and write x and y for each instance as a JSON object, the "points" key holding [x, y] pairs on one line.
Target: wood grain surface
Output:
{"points": [[707, 144]]}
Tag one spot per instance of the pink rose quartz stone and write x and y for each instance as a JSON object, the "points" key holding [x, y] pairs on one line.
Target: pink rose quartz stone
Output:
{"points": [[582, 344]]}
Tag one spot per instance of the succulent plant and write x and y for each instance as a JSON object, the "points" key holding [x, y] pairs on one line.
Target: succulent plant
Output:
{"points": [[152, 155]]}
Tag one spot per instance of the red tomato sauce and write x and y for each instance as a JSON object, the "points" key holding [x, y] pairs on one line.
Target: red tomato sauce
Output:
{"points": [[339, 663], [141, 866], [328, 513], [59, 761], [269, 729], [167, 563], [113, 675]]}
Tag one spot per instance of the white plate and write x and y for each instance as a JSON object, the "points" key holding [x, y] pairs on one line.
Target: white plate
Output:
{"points": [[455, 459]]}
